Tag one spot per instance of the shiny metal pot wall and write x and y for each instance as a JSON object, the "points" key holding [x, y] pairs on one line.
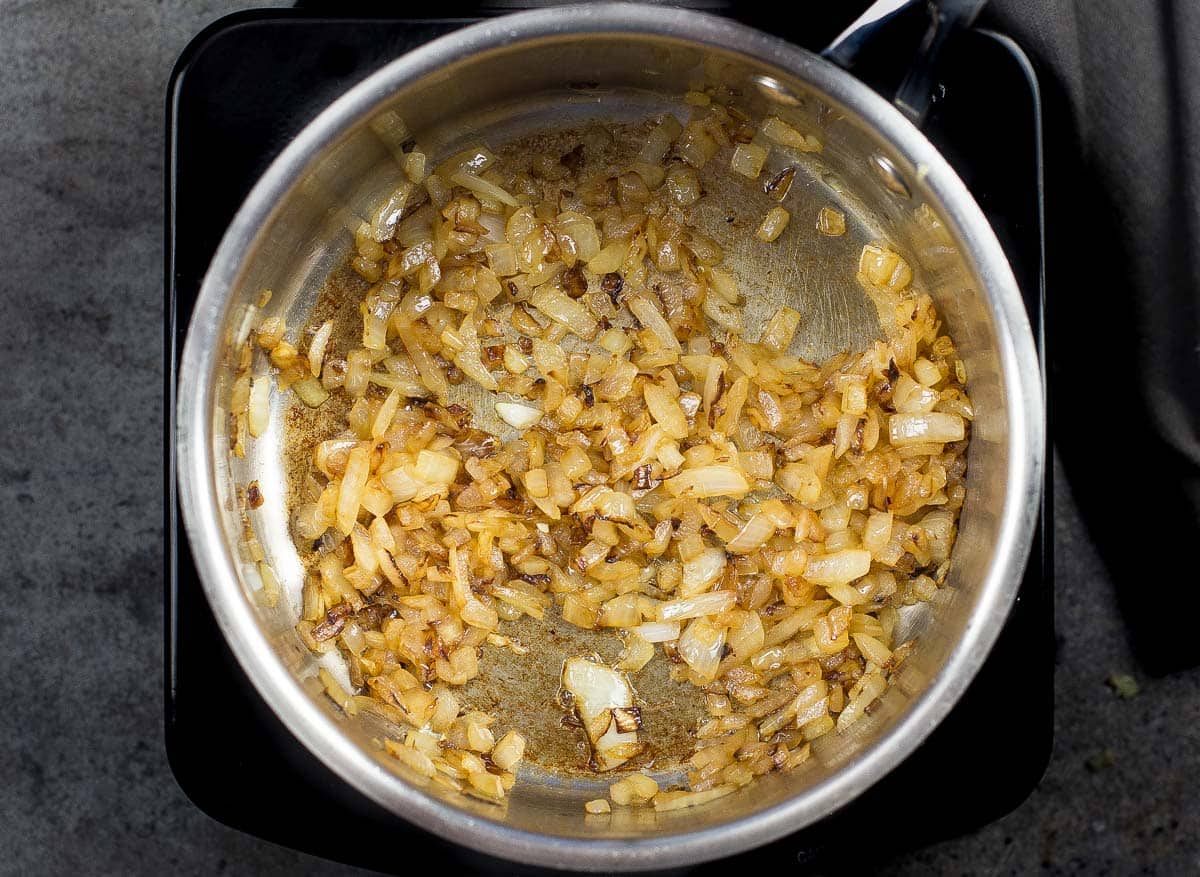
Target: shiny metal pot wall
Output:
{"points": [[511, 75]]}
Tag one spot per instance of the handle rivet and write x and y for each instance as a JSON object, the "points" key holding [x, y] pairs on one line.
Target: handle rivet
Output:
{"points": [[774, 90], [887, 172]]}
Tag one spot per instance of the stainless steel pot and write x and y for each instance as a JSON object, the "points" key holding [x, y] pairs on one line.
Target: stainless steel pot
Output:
{"points": [[528, 71]]}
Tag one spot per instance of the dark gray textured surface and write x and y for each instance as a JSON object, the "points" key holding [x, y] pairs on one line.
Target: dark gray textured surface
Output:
{"points": [[85, 784]]}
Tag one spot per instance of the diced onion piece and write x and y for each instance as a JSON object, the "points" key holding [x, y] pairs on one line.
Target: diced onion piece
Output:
{"points": [[723, 284], [502, 259], [411, 757], [444, 713], [383, 225], [659, 140], [616, 505], [872, 686], [779, 131], [683, 186], [310, 392], [401, 484], [609, 259], [582, 230], [431, 375], [695, 145], [390, 128], [514, 362], [354, 479], [701, 572], [316, 349], [636, 654], [483, 188], [652, 174], [752, 536], [439, 192], [535, 483], [649, 316], [811, 704], [831, 222], [668, 454], [480, 737], [474, 611], [846, 594], [260, 405], [909, 397], [598, 806], [854, 398], [801, 481], [335, 692], [831, 632], [615, 341], [658, 631], [748, 160], [758, 464], [518, 416], [383, 418], [746, 634], [936, 426], [509, 751], [780, 330], [665, 801], [792, 562], [550, 359], [268, 595], [561, 308], [706, 250], [701, 646], [666, 411], [375, 319], [637, 788], [436, 467], [708, 481], [413, 229], [284, 355], [473, 159], [414, 166], [723, 314], [598, 693], [877, 532], [578, 611], [468, 359], [487, 784], [839, 567], [881, 266], [711, 603], [732, 401], [872, 649], [926, 372], [773, 224]]}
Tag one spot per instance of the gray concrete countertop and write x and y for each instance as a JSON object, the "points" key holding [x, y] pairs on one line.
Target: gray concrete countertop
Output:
{"points": [[86, 787]]}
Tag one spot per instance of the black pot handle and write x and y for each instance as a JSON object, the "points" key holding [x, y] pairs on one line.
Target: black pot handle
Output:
{"points": [[915, 91]]}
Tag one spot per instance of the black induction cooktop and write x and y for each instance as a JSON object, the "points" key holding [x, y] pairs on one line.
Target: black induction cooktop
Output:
{"points": [[240, 92]]}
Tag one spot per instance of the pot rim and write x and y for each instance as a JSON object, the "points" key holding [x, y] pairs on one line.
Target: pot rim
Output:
{"points": [[321, 734]]}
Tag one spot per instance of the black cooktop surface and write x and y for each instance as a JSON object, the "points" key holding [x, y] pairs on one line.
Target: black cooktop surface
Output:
{"points": [[239, 93]]}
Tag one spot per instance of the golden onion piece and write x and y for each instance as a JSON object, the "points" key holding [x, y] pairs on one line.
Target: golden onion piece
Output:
{"points": [[603, 700]]}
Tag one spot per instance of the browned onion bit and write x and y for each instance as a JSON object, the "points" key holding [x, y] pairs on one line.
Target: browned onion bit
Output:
{"points": [[779, 185]]}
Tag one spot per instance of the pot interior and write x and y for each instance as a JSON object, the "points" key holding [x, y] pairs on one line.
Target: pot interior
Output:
{"points": [[543, 91]]}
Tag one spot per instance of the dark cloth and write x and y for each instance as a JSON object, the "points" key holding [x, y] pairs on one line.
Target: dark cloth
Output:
{"points": [[1121, 81]]}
